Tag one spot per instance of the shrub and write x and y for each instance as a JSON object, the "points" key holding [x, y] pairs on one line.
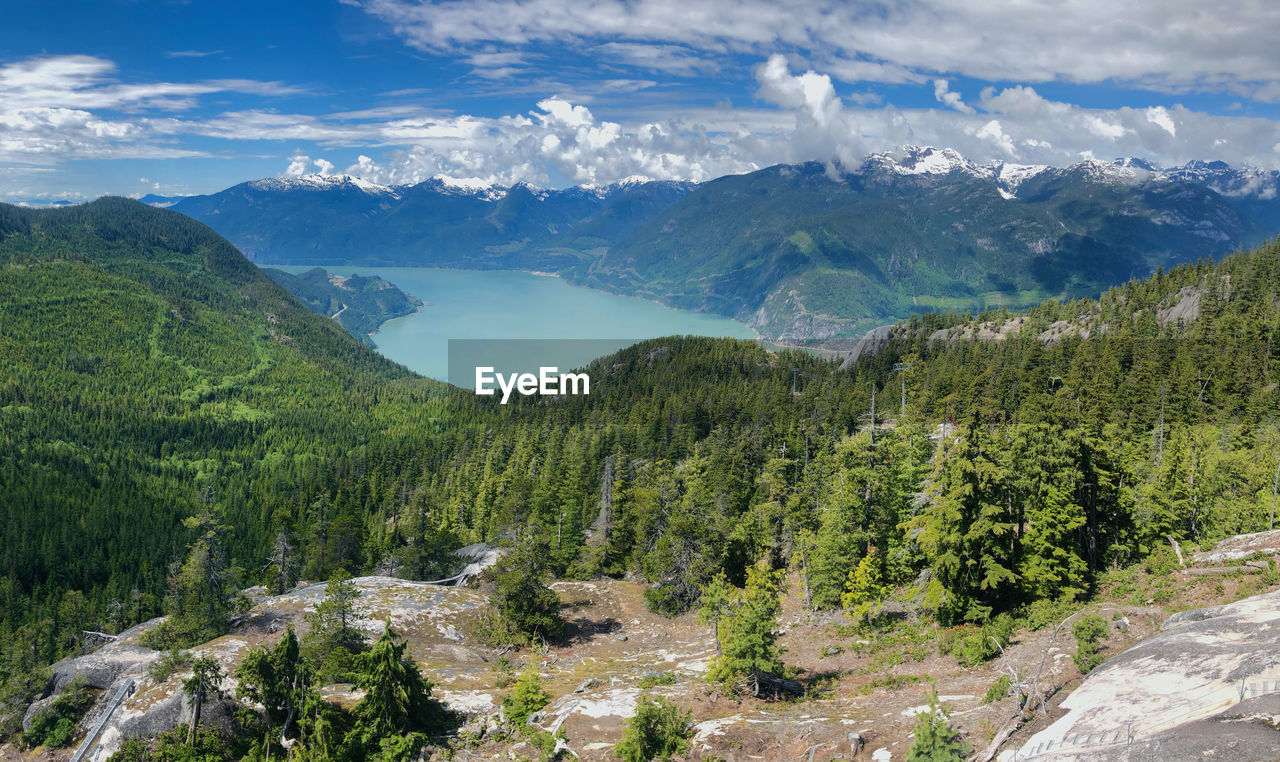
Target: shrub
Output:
{"points": [[526, 698], [1089, 631], [662, 678], [971, 647], [172, 746], [504, 673], [657, 730], [170, 661], [56, 725], [998, 690], [545, 743]]}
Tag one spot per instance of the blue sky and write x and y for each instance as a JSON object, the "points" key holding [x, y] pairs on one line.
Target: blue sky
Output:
{"points": [[191, 97]]}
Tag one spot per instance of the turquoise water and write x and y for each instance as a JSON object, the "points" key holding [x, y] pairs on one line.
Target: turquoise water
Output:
{"points": [[506, 304]]}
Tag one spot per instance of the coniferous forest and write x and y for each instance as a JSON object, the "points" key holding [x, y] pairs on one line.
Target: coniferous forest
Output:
{"points": [[175, 427]]}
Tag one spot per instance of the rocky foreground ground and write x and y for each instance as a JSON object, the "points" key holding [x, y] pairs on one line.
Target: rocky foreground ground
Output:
{"points": [[1209, 681]]}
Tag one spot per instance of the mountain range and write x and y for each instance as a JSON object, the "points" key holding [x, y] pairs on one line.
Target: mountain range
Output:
{"points": [[799, 252]]}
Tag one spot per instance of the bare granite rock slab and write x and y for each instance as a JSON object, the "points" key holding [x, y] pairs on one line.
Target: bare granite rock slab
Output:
{"points": [[1202, 669]]}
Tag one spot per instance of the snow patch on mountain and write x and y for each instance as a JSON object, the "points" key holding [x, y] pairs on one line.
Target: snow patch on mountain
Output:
{"points": [[905, 161], [1010, 176], [471, 186], [317, 182], [926, 160]]}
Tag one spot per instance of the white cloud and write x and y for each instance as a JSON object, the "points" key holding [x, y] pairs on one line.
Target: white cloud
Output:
{"points": [[1159, 116], [993, 133], [191, 53], [1157, 44], [70, 107], [62, 107], [944, 94], [824, 129], [1102, 128], [672, 59], [298, 165]]}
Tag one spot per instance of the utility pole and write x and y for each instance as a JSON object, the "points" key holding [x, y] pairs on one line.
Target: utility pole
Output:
{"points": [[901, 369], [873, 413], [1274, 486]]}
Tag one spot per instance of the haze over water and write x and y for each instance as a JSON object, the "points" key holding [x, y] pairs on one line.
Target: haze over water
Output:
{"points": [[508, 304]]}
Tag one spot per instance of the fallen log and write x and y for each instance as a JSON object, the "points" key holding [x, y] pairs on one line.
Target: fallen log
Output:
{"points": [[765, 684], [1007, 730]]}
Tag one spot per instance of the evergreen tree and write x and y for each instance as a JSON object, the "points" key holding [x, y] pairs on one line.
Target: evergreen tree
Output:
{"points": [[204, 588], [864, 590], [970, 531], [747, 634], [527, 696], [279, 680], [1046, 486], [397, 697], [334, 640], [521, 596], [205, 682], [657, 729], [934, 739]]}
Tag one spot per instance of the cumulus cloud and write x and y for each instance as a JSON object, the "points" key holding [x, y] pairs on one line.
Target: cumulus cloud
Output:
{"points": [[824, 130], [944, 94]]}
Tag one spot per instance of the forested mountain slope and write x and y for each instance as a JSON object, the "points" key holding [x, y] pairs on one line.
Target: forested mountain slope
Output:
{"points": [[147, 368], [340, 220], [805, 252], [359, 303], [151, 376]]}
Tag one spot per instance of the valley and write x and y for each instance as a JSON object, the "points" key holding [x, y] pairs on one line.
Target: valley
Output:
{"points": [[803, 254]]}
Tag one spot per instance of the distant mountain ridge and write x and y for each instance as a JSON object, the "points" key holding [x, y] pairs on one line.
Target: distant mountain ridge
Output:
{"points": [[808, 251], [340, 219]]}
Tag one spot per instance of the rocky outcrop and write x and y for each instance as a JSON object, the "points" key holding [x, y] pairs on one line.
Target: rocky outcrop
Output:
{"points": [[1210, 673], [871, 342], [1240, 547], [990, 331], [427, 615], [1185, 307]]}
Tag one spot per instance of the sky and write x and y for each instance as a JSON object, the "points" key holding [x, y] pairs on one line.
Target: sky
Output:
{"points": [[130, 97]]}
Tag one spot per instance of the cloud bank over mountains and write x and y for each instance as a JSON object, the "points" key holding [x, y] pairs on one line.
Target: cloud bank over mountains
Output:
{"points": [[692, 90]]}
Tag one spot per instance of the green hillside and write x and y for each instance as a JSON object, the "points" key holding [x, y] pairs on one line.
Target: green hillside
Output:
{"points": [[360, 304], [801, 254], [147, 367], [150, 376]]}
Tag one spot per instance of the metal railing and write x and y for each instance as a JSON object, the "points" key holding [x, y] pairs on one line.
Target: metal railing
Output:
{"points": [[123, 690]]}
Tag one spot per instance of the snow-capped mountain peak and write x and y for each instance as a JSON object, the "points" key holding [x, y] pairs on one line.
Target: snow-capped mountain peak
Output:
{"points": [[926, 160], [318, 182]]}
